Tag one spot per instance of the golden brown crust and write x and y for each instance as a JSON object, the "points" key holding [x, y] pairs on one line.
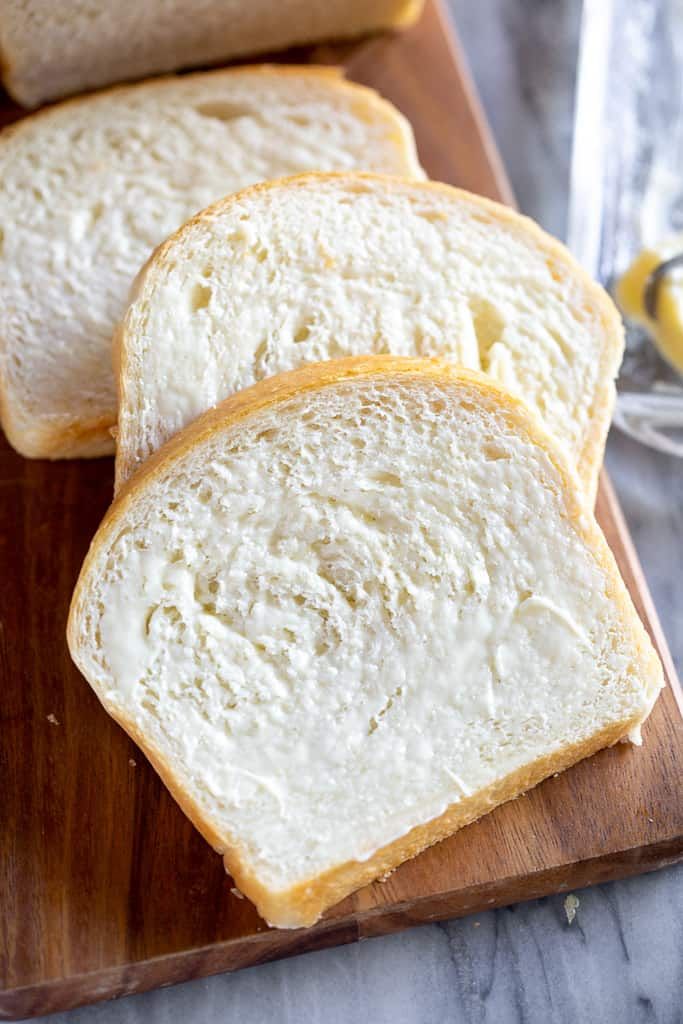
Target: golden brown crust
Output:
{"points": [[407, 16], [78, 438], [82, 439], [302, 904], [330, 73], [590, 459]]}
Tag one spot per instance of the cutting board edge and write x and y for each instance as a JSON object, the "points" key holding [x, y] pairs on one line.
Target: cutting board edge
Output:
{"points": [[175, 968], [648, 610]]}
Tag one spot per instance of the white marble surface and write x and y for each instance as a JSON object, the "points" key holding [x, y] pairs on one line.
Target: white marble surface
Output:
{"points": [[622, 957]]}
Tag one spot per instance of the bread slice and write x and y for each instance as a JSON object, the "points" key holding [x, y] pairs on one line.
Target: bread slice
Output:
{"points": [[323, 266], [351, 610], [91, 186], [49, 50]]}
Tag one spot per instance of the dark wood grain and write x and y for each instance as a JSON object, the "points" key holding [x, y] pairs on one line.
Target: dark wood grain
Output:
{"points": [[106, 888]]}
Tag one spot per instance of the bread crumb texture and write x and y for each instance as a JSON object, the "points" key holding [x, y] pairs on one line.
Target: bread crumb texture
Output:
{"points": [[326, 266], [91, 186], [358, 606]]}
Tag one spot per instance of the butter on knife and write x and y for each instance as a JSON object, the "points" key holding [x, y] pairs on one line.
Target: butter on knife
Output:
{"points": [[651, 293]]}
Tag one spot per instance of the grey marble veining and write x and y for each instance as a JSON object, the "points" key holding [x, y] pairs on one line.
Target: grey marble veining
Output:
{"points": [[650, 488], [618, 961], [522, 54], [622, 957]]}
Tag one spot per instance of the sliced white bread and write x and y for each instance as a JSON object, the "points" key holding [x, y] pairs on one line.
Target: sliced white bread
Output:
{"points": [[323, 266], [53, 49], [89, 188], [351, 610]]}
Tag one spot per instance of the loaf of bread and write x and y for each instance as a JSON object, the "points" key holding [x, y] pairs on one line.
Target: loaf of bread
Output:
{"points": [[324, 266], [51, 49], [89, 187], [352, 609]]}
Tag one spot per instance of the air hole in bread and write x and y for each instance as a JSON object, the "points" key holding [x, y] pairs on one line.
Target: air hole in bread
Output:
{"points": [[480, 217], [488, 325], [433, 216], [425, 345], [97, 212], [374, 723], [222, 111], [302, 333], [267, 435], [554, 270], [200, 297], [494, 453], [357, 188], [388, 479], [260, 352]]}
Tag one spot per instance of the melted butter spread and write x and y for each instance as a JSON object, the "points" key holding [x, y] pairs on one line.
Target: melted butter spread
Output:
{"points": [[666, 330], [352, 614]]}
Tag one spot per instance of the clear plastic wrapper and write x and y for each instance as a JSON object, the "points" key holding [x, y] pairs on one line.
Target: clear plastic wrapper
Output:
{"points": [[627, 181]]}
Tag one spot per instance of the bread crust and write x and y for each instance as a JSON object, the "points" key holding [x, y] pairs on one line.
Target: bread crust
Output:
{"points": [[302, 904], [91, 437], [600, 412], [330, 73], [86, 439], [10, 76]]}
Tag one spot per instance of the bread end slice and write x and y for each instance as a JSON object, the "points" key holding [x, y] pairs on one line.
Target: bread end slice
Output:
{"points": [[49, 52]]}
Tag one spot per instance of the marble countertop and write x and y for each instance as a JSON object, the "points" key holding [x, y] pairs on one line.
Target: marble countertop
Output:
{"points": [[621, 959]]}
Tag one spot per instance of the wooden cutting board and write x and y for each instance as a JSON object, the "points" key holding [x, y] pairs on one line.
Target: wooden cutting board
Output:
{"points": [[105, 887]]}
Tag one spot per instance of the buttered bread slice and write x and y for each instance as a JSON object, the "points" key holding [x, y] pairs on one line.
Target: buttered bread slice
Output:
{"points": [[350, 610], [325, 266], [89, 188]]}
